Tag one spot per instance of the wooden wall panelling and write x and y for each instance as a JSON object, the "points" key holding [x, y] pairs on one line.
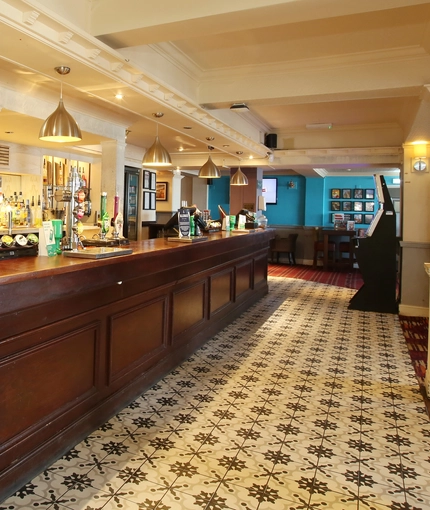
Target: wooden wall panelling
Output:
{"points": [[189, 305], [137, 337], [44, 387], [221, 290], [244, 277]]}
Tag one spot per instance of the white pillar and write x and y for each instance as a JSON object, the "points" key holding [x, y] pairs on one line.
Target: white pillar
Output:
{"points": [[112, 172]]}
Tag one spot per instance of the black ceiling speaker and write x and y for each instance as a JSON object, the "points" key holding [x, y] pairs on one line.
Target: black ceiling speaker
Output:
{"points": [[271, 141]]}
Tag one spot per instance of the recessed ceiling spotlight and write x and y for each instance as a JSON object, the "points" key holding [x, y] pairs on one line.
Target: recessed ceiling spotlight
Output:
{"points": [[188, 127], [119, 96], [210, 138], [239, 152], [226, 145], [158, 115], [9, 132], [251, 157], [239, 107], [180, 149], [211, 147]]}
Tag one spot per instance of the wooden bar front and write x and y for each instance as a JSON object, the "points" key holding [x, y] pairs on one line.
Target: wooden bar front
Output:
{"points": [[80, 339]]}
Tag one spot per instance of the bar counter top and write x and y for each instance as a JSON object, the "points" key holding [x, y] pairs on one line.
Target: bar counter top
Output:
{"points": [[23, 268]]}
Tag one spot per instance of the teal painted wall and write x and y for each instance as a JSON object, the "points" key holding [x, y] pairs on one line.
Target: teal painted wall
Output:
{"points": [[219, 194], [309, 203]]}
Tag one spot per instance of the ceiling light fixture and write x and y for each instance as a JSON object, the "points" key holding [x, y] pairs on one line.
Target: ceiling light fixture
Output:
{"points": [[239, 178], [319, 126], [157, 155], [60, 126], [239, 107], [209, 170]]}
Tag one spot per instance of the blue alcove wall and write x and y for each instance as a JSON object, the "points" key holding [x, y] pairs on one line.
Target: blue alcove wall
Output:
{"points": [[307, 203]]}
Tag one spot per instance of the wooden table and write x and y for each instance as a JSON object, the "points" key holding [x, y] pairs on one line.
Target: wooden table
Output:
{"points": [[329, 232]]}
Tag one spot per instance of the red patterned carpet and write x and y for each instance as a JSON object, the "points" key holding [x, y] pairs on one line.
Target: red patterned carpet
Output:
{"points": [[349, 279], [415, 330]]}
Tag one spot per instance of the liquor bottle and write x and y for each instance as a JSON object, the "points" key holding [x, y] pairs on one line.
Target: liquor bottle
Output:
{"points": [[104, 215], [38, 216], [28, 215], [45, 173], [84, 179]]}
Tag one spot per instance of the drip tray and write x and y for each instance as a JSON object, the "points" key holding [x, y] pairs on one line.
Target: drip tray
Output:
{"points": [[98, 253]]}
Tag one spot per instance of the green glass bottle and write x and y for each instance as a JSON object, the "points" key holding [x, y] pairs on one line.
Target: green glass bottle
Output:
{"points": [[104, 216]]}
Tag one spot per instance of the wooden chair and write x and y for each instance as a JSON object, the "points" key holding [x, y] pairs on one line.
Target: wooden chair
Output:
{"points": [[319, 252], [285, 245], [344, 248]]}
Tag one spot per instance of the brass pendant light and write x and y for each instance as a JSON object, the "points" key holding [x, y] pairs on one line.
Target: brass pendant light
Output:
{"points": [[239, 178], [209, 170], [60, 126], [157, 155]]}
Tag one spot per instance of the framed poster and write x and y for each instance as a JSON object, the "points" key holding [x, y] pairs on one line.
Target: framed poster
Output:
{"points": [[335, 205], [335, 193], [369, 206], [358, 218], [146, 179], [146, 200], [161, 191], [153, 179], [152, 201], [358, 193], [369, 193], [368, 219], [346, 206], [346, 194], [358, 206]]}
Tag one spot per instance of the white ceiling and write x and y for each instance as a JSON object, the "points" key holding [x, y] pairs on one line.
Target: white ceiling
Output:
{"points": [[362, 67]]}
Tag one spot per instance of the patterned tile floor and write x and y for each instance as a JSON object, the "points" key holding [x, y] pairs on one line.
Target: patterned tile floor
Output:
{"points": [[299, 404]]}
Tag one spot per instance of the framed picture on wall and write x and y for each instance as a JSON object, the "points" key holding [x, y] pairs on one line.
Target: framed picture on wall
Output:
{"points": [[161, 191], [358, 206], [346, 194], [152, 206], [358, 193], [347, 217], [358, 218], [335, 205], [146, 179], [335, 193], [369, 193], [368, 219], [369, 206], [153, 179], [146, 200], [346, 206]]}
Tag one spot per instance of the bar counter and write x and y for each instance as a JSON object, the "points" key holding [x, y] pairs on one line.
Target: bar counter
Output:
{"points": [[80, 338]]}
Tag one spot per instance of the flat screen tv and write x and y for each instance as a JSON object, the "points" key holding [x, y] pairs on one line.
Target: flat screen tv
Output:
{"points": [[270, 190]]}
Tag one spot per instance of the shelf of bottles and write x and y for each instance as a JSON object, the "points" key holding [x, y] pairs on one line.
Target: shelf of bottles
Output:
{"points": [[56, 182], [66, 194]]}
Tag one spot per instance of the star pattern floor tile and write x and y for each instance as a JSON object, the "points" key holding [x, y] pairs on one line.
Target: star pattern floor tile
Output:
{"points": [[299, 404]]}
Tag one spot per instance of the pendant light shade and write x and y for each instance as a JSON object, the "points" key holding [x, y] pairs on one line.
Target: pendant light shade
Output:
{"points": [[157, 155], [60, 126], [209, 170], [239, 179]]}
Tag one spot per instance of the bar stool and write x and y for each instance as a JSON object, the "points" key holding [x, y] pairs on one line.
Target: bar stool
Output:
{"points": [[319, 252], [344, 249]]}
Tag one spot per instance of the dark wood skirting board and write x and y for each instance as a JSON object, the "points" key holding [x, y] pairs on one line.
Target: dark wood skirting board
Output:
{"points": [[80, 340]]}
